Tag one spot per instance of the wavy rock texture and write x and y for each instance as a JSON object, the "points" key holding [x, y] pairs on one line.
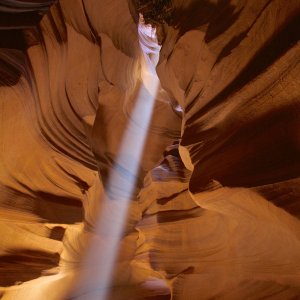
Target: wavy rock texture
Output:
{"points": [[216, 207]]}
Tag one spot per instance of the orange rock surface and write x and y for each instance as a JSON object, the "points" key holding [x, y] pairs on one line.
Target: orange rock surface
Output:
{"points": [[215, 212]]}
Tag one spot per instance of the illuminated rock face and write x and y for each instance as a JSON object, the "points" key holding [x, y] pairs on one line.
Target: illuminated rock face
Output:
{"points": [[215, 212]]}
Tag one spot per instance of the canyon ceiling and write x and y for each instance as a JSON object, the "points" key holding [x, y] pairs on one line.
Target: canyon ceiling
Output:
{"points": [[214, 213]]}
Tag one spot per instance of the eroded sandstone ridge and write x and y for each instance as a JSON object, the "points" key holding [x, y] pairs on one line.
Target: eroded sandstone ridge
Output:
{"points": [[215, 212]]}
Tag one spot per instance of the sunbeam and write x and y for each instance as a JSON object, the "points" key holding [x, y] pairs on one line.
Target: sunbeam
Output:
{"points": [[98, 264]]}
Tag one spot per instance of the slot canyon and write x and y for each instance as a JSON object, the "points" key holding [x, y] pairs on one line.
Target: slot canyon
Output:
{"points": [[149, 150]]}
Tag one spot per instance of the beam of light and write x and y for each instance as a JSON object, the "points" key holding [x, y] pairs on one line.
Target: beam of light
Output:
{"points": [[100, 259]]}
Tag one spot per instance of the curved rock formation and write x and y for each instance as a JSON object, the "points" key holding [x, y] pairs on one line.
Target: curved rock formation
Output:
{"points": [[214, 212]]}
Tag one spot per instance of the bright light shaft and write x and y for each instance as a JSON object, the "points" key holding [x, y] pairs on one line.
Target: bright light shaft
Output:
{"points": [[100, 259]]}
